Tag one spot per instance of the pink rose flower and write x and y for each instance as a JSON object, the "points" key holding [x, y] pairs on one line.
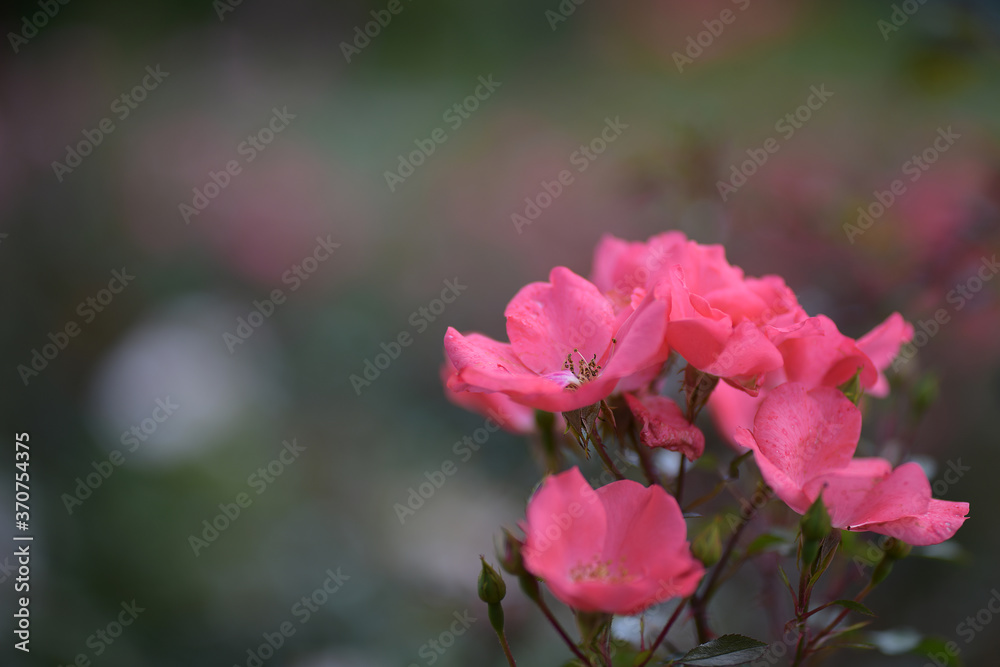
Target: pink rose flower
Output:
{"points": [[568, 347], [618, 549], [721, 322], [663, 425], [826, 359], [804, 441]]}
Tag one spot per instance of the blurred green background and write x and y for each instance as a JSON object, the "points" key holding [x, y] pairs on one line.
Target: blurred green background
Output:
{"points": [[226, 70]]}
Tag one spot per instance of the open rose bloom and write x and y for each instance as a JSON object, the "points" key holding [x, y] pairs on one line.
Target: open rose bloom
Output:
{"points": [[568, 347], [618, 549], [804, 442]]}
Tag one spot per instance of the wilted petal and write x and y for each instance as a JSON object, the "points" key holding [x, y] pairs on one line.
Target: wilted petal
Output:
{"points": [[663, 425]]}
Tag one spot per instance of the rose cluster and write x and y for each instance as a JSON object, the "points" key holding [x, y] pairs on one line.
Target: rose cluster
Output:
{"points": [[773, 377]]}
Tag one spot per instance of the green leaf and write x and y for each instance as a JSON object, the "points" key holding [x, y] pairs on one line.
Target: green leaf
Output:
{"points": [[854, 606], [784, 578], [726, 650], [828, 550], [852, 388], [766, 542], [850, 628]]}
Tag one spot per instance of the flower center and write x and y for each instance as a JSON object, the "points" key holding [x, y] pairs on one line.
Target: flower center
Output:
{"points": [[588, 369], [601, 570]]}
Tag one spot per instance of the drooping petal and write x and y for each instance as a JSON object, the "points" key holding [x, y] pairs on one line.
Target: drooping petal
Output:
{"points": [[512, 416], [486, 364], [939, 522], [848, 492], [867, 496], [663, 425]]}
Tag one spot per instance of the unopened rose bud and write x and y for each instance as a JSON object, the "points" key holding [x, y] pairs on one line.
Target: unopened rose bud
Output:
{"points": [[707, 546], [896, 549], [816, 521], [882, 570], [924, 394], [815, 525], [591, 623], [698, 386], [492, 588]]}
